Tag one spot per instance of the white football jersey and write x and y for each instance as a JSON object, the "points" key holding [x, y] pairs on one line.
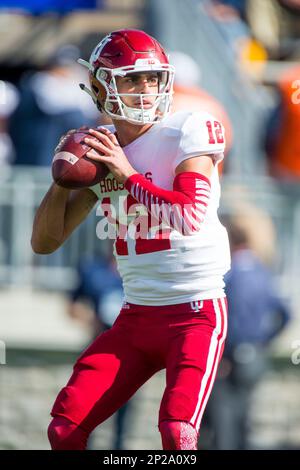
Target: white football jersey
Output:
{"points": [[167, 267]]}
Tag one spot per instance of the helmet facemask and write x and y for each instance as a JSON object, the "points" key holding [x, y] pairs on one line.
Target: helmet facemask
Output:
{"points": [[115, 106], [113, 103]]}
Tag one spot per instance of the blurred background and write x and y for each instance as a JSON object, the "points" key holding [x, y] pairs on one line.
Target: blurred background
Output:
{"points": [[238, 59]]}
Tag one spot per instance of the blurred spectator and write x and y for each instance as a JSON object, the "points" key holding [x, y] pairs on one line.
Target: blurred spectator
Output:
{"points": [[248, 217], [188, 95], [283, 130], [229, 16], [97, 300], [58, 6], [9, 98], [232, 20], [238, 6], [51, 103], [276, 24], [99, 289], [253, 59], [256, 315], [8, 102]]}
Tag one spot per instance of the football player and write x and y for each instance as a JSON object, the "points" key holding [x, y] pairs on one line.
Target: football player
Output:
{"points": [[162, 196]]}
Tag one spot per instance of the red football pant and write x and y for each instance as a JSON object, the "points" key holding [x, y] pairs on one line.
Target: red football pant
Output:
{"points": [[186, 339]]}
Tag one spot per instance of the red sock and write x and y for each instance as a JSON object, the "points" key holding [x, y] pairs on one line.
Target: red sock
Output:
{"points": [[178, 435], [65, 435]]}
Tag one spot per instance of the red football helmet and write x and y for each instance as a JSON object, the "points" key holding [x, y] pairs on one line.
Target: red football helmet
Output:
{"points": [[123, 52]]}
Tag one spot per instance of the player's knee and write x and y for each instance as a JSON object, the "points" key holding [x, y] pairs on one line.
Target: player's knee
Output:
{"points": [[65, 435], [178, 435]]}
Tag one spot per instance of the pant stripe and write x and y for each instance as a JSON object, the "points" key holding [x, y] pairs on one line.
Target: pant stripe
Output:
{"points": [[217, 340], [210, 361], [214, 371]]}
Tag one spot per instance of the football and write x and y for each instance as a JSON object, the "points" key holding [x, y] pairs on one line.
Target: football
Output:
{"points": [[71, 168]]}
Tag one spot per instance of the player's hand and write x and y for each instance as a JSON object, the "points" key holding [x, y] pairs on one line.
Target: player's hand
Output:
{"points": [[107, 149]]}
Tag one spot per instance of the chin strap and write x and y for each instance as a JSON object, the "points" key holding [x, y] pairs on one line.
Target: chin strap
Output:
{"points": [[87, 90], [86, 64], [83, 87]]}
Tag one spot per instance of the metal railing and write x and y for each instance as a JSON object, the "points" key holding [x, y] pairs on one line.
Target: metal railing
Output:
{"points": [[20, 194]]}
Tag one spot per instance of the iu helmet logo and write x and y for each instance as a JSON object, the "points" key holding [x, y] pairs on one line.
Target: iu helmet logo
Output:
{"points": [[98, 49]]}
